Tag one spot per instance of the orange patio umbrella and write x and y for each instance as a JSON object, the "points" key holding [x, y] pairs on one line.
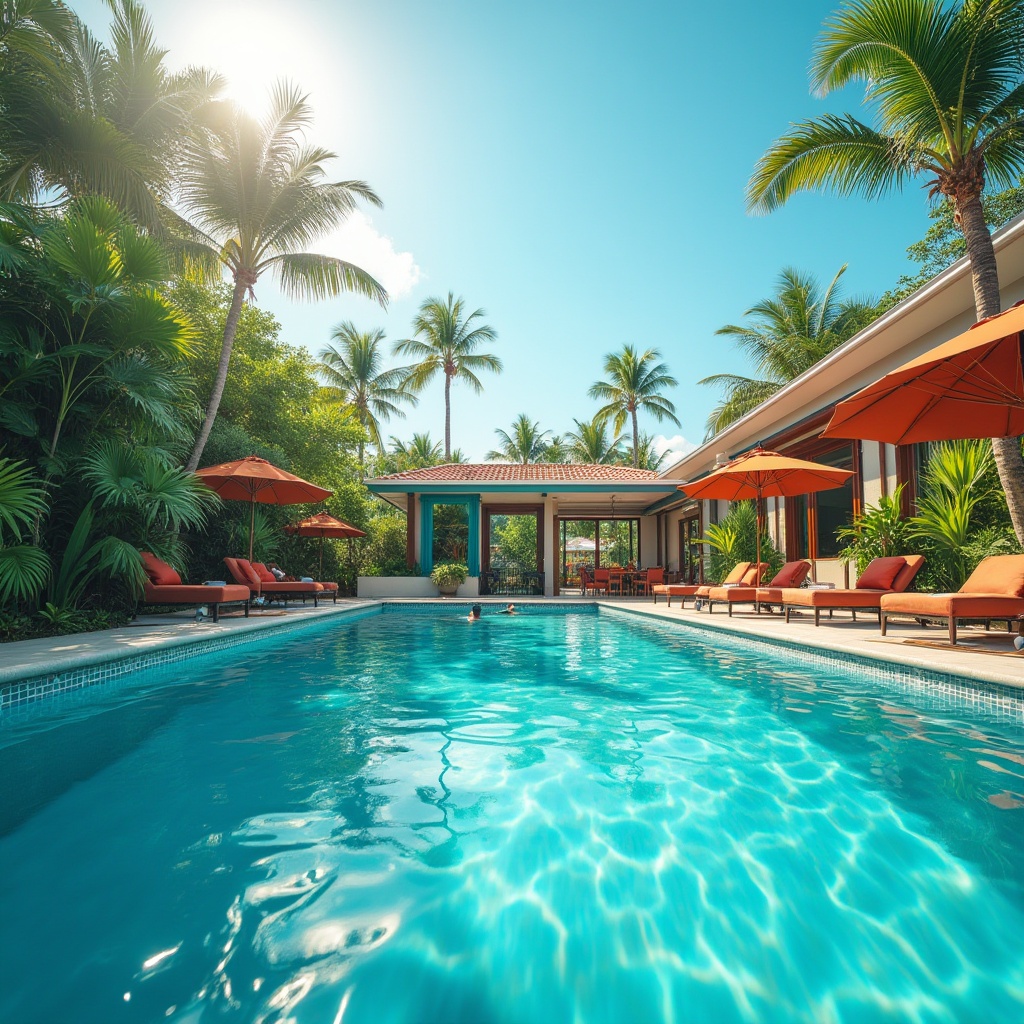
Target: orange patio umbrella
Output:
{"points": [[323, 525], [761, 474], [253, 479], [972, 386]]}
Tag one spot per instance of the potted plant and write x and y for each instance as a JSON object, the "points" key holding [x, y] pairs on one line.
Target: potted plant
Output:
{"points": [[448, 576]]}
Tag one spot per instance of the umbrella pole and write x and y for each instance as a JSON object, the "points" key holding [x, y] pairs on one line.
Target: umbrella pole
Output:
{"points": [[252, 521], [322, 556], [757, 543]]}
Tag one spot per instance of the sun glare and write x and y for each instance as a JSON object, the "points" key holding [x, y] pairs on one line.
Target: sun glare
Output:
{"points": [[255, 45]]}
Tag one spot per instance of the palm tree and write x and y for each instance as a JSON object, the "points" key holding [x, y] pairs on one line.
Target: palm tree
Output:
{"points": [[786, 335], [259, 191], [945, 82], [589, 444], [352, 370], [635, 382], [527, 442], [446, 340], [648, 457], [81, 118], [419, 453]]}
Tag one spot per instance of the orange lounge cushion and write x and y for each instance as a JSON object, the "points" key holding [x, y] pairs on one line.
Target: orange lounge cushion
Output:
{"points": [[739, 570], [751, 577], [792, 574], [677, 589], [960, 606], [293, 588], [772, 595], [329, 587], [804, 597], [187, 593], [880, 573], [265, 575], [159, 573], [999, 574], [732, 594]]}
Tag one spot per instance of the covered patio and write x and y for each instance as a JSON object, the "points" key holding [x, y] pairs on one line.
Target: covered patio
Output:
{"points": [[524, 529]]}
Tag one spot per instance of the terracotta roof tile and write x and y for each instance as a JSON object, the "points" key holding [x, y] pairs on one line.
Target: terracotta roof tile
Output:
{"points": [[510, 472]]}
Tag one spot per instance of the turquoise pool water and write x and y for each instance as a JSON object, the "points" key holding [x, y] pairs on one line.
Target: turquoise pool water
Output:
{"points": [[539, 818]]}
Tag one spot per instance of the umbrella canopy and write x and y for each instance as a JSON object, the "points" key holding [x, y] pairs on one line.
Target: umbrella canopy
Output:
{"points": [[761, 474], [253, 479], [972, 386], [323, 525]]}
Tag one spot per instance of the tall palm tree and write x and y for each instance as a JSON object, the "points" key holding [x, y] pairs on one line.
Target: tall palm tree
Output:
{"points": [[589, 444], [259, 191], [946, 83], [785, 335], [81, 118], [351, 368], [446, 340], [527, 442], [635, 382]]}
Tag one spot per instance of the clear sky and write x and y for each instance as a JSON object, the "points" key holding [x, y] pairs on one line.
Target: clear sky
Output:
{"points": [[576, 169]]}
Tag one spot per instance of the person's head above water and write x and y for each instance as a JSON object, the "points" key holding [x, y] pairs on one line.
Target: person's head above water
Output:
{"points": [[511, 608], [474, 612]]}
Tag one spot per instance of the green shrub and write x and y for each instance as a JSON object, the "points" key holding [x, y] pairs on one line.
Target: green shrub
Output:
{"points": [[734, 540], [880, 531]]}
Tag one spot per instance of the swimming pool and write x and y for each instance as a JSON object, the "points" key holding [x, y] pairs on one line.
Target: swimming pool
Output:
{"points": [[544, 817]]}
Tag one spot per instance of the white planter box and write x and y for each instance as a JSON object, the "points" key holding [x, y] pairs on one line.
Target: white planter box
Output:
{"points": [[377, 587]]}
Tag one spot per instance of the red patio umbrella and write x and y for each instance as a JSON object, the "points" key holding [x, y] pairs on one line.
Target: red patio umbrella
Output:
{"points": [[253, 479], [971, 386], [761, 474], [323, 525]]}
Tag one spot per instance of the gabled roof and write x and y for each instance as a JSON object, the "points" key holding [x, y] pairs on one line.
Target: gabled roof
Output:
{"points": [[511, 472]]}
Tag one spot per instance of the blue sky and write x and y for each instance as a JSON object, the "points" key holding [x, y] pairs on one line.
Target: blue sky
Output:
{"points": [[576, 169]]}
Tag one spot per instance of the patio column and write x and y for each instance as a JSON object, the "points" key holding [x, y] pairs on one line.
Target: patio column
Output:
{"points": [[410, 530]]}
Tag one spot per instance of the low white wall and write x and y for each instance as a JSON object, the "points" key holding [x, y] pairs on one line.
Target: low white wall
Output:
{"points": [[409, 586]]}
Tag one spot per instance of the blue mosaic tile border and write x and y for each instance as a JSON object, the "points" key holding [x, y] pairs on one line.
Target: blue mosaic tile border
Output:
{"points": [[961, 691], [16, 695]]}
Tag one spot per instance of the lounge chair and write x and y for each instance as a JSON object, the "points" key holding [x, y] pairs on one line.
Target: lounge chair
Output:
{"points": [[267, 577], [792, 574], [165, 587], [685, 590], [242, 572], [882, 576], [995, 590]]}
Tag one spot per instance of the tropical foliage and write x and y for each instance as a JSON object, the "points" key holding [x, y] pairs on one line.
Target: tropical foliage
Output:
{"points": [[353, 371], [446, 339], [260, 194], [525, 443], [734, 539], [784, 336], [880, 531], [634, 382]]}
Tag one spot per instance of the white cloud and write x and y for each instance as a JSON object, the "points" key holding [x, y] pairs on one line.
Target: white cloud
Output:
{"points": [[675, 447], [358, 241]]}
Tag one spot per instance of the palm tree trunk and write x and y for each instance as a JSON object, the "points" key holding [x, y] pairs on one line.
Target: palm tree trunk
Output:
{"points": [[230, 328], [985, 278], [447, 418], [636, 442]]}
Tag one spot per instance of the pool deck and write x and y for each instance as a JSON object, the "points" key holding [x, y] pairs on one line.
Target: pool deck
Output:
{"points": [[980, 656]]}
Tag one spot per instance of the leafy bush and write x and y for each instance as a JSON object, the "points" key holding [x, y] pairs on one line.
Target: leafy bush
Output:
{"points": [[449, 574], [880, 531], [54, 621], [734, 540]]}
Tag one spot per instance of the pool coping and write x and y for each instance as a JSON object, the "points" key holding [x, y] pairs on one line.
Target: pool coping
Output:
{"points": [[44, 672]]}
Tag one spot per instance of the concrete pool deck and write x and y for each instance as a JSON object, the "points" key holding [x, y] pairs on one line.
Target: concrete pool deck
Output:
{"points": [[980, 656]]}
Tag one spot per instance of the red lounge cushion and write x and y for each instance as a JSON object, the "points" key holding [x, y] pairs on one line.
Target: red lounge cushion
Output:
{"points": [[880, 573], [790, 575], [248, 572], [160, 573], [265, 575], [1000, 574]]}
